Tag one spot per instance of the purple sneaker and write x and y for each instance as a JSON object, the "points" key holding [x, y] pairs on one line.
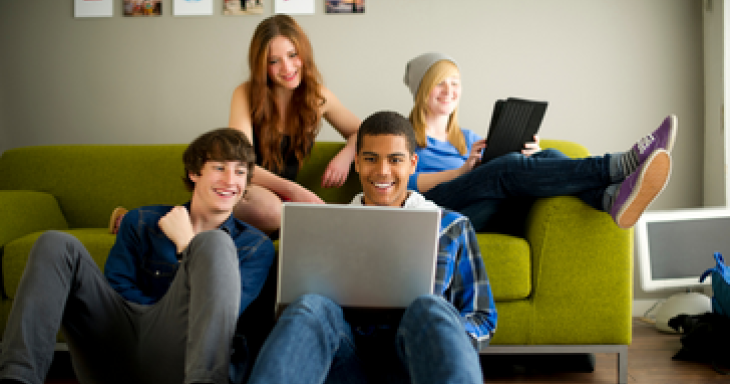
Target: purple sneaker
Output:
{"points": [[662, 138], [635, 193]]}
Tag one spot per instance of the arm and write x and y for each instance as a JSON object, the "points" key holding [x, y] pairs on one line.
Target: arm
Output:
{"points": [[470, 290], [255, 260], [240, 118], [532, 148], [426, 181], [347, 124], [123, 261]]}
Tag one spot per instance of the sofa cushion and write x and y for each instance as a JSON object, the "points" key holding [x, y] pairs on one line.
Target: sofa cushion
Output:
{"points": [[508, 263], [97, 241]]}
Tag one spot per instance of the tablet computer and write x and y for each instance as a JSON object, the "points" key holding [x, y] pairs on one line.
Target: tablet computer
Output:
{"points": [[514, 123]]}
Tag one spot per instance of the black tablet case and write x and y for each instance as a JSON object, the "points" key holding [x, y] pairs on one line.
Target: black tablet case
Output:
{"points": [[514, 123]]}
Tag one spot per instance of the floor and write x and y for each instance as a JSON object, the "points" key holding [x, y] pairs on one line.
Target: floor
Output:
{"points": [[650, 362]]}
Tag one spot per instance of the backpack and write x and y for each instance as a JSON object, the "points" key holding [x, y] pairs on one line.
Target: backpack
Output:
{"points": [[706, 337], [720, 286]]}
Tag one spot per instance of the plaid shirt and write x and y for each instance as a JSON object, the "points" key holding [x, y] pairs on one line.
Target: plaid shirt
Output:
{"points": [[460, 274]]}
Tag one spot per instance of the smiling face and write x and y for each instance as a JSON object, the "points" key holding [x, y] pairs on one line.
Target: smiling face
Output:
{"points": [[284, 64], [444, 97], [219, 186], [384, 165]]}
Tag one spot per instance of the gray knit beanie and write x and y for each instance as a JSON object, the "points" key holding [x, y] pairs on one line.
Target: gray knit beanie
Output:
{"points": [[417, 68]]}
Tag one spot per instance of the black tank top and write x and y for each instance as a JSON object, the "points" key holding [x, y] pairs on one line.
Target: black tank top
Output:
{"points": [[291, 165]]}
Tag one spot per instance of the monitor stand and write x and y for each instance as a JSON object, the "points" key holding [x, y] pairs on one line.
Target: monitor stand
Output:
{"points": [[690, 303]]}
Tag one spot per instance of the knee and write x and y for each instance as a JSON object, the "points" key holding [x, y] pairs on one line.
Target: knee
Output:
{"points": [[213, 247], [550, 153], [262, 210], [427, 308], [314, 305], [50, 246]]}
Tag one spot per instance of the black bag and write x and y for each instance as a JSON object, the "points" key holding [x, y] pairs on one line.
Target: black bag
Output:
{"points": [[705, 338]]}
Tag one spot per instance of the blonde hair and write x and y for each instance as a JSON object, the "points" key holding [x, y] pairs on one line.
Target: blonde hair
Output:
{"points": [[435, 75]]}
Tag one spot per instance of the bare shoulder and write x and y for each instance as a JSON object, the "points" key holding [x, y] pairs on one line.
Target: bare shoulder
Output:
{"points": [[330, 99]]}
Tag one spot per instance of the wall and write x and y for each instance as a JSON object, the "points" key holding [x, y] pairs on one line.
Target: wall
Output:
{"points": [[611, 69]]}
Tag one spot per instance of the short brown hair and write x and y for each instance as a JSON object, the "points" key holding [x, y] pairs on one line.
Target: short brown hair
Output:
{"points": [[222, 144]]}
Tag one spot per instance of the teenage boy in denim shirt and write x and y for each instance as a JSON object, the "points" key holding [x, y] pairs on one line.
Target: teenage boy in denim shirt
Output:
{"points": [[177, 280], [436, 340]]}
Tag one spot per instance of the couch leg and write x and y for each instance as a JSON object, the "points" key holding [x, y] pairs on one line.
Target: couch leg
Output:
{"points": [[621, 350], [623, 364]]}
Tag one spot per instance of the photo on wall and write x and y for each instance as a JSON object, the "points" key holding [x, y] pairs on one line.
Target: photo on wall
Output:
{"points": [[344, 6], [243, 7], [142, 7], [294, 7], [93, 8]]}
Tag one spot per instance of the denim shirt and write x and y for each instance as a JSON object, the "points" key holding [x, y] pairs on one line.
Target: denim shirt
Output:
{"points": [[143, 261]]}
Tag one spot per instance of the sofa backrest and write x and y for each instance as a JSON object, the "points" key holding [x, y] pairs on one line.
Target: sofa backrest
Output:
{"points": [[89, 181]]}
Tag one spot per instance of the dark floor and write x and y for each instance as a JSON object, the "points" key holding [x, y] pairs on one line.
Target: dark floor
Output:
{"points": [[650, 362]]}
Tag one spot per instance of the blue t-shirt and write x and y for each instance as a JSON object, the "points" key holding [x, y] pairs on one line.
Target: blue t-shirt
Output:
{"points": [[439, 156]]}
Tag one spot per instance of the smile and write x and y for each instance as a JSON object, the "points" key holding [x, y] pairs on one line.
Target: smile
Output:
{"points": [[382, 185], [225, 193], [290, 77]]}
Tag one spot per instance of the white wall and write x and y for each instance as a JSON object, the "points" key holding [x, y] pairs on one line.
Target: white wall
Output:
{"points": [[611, 70]]}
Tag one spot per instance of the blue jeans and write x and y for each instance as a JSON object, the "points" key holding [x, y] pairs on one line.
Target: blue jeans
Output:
{"points": [[312, 343], [479, 194]]}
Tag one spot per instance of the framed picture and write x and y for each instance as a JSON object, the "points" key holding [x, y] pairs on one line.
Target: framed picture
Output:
{"points": [[142, 7], [344, 6], [93, 8], [294, 7], [192, 8], [243, 7]]}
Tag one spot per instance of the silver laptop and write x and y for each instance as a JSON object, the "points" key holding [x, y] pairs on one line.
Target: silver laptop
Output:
{"points": [[358, 256]]}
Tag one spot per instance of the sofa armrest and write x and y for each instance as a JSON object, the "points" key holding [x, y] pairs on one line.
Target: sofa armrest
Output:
{"points": [[25, 212], [582, 274]]}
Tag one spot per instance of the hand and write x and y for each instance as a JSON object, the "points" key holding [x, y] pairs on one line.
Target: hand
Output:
{"points": [[475, 155], [532, 148], [303, 195], [177, 226], [336, 173]]}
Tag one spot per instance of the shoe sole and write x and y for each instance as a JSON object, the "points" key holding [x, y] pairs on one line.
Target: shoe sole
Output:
{"points": [[651, 182], [118, 211]]}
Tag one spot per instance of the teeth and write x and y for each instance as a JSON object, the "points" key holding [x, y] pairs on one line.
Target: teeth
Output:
{"points": [[382, 185]]}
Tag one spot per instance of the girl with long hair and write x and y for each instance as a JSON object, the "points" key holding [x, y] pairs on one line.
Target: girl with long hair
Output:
{"points": [[280, 108], [622, 184]]}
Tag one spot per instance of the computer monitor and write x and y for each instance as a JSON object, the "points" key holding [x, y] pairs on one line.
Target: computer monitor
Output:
{"points": [[674, 249]]}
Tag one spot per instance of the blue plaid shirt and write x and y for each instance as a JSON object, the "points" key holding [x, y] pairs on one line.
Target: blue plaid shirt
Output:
{"points": [[461, 277]]}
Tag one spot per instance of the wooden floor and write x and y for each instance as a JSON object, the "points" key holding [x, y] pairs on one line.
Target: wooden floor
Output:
{"points": [[650, 362]]}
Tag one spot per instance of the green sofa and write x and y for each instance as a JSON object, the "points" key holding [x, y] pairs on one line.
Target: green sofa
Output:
{"points": [[564, 287]]}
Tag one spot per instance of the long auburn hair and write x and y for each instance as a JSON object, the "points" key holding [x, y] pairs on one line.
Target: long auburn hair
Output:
{"points": [[303, 117], [436, 74]]}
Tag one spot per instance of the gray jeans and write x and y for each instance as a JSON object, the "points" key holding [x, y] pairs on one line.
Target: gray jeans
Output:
{"points": [[183, 338]]}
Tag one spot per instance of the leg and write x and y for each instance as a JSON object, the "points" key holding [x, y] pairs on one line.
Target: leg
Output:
{"points": [[433, 345], [183, 338], [62, 286], [515, 175], [311, 343], [186, 336], [260, 208]]}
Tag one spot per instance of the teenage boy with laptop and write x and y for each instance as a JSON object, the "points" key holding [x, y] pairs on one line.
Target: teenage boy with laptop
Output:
{"points": [[436, 340], [174, 284]]}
